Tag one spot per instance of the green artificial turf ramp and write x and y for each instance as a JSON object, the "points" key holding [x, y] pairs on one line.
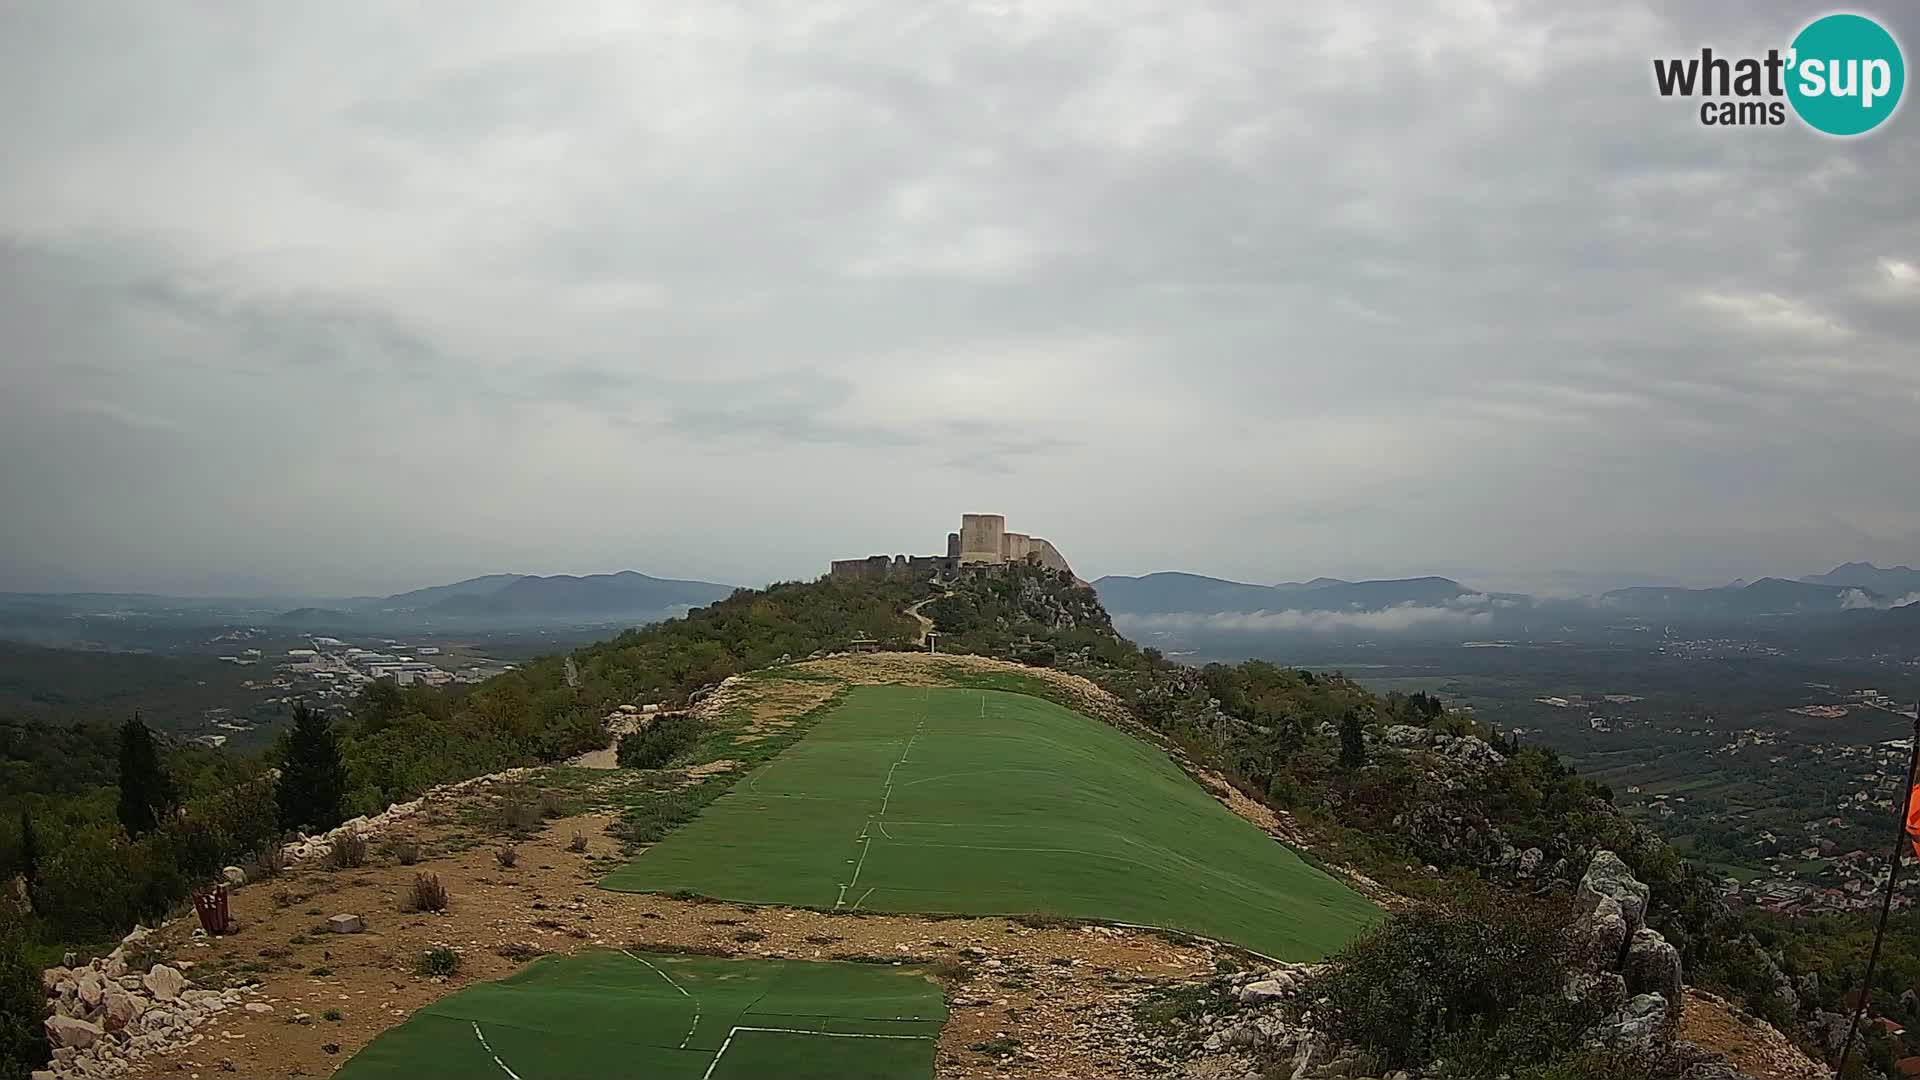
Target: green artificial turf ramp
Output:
{"points": [[955, 801], [671, 1017]]}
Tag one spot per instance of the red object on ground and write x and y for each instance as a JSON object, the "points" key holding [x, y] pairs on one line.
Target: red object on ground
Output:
{"points": [[211, 905]]}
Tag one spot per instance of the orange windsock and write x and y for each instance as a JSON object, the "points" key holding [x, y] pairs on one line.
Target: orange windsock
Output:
{"points": [[1913, 819]]}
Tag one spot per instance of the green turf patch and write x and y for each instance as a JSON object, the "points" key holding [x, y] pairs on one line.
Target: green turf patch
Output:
{"points": [[669, 1016], [963, 801]]}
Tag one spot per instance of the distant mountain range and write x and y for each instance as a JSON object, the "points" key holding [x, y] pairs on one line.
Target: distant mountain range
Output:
{"points": [[518, 598], [1191, 610], [563, 594], [1889, 581]]}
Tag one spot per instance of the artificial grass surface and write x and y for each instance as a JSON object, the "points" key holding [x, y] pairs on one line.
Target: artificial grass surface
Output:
{"points": [[602, 1014], [954, 801]]}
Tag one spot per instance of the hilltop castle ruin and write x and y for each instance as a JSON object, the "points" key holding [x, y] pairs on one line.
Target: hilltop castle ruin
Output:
{"points": [[983, 542]]}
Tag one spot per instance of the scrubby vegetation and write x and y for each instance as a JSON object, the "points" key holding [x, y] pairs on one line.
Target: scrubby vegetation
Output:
{"points": [[658, 743], [23, 1042], [1478, 983]]}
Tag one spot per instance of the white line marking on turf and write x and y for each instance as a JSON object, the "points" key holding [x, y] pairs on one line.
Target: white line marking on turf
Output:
{"points": [[886, 798], [676, 986], [728, 1041], [863, 897], [496, 1057]]}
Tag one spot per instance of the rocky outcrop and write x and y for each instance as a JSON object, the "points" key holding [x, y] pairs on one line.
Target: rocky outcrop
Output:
{"points": [[1614, 905], [1652, 965], [1607, 878], [109, 1015], [1636, 1025]]}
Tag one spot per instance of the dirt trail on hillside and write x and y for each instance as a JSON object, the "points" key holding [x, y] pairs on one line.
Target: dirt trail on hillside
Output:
{"points": [[1754, 1047]]}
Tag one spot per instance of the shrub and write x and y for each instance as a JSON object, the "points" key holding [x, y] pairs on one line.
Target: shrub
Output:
{"points": [[23, 1042], [578, 843], [332, 1016], [1479, 984], [438, 960], [655, 746], [518, 951], [406, 852], [507, 857], [91, 887], [272, 860], [554, 805], [347, 853], [519, 812], [427, 894]]}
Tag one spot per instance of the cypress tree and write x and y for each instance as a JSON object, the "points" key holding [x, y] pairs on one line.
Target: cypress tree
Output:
{"points": [[146, 792], [1353, 741], [313, 779], [29, 851]]}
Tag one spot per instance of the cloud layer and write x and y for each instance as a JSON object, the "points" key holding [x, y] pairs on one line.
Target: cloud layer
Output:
{"points": [[356, 298]]}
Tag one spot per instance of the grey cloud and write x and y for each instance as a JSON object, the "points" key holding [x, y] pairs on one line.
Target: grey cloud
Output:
{"points": [[1344, 290], [1401, 618]]}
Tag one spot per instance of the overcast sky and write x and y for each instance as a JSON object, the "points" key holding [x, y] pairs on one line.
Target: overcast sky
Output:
{"points": [[356, 297]]}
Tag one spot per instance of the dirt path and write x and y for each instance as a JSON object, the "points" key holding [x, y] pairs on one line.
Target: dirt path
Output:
{"points": [[926, 624], [1754, 1047], [618, 724]]}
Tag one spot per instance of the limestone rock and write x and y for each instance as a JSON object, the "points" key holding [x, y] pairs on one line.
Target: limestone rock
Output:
{"points": [[1404, 736], [1609, 929], [233, 875], [122, 1009], [346, 924], [164, 982], [70, 1032], [1608, 877], [90, 988], [1636, 1025], [1264, 991], [1652, 966]]}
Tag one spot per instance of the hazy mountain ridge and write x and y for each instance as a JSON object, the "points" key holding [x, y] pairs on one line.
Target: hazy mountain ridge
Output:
{"points": [[593, 594], [1889, 580]]}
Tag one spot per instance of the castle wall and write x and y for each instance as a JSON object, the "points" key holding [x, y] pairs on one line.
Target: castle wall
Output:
{"points": [[1047, 555], [887, 567]]}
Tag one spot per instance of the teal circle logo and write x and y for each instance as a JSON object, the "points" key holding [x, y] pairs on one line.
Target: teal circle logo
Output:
{"points": [[1846, 74]]}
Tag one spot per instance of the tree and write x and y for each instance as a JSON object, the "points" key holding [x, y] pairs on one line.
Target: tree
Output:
{"points": [[29, 851], [313, 778], [1353, 741], [23, 1041], [146, 791]]}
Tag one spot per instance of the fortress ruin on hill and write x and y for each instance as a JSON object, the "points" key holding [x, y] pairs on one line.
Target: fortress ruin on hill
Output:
{"points": [[983, 542]]}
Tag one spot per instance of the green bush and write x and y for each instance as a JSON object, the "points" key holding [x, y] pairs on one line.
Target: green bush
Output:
{"points": [[91, 886], [662, 739], [439, 960], [1479, 983], [23, 1042]]}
